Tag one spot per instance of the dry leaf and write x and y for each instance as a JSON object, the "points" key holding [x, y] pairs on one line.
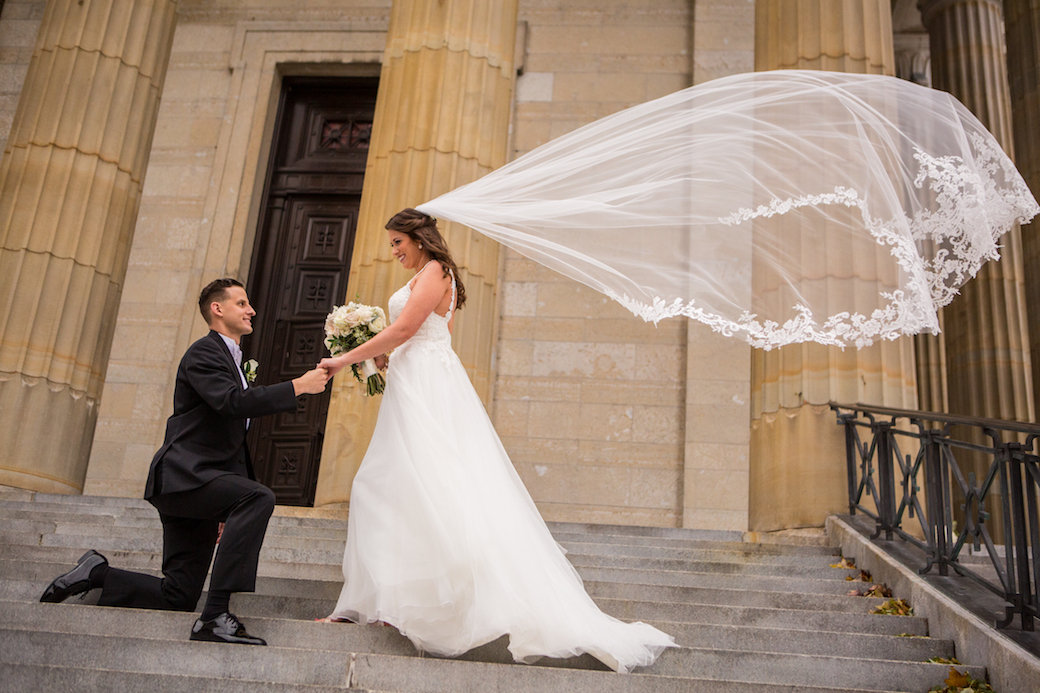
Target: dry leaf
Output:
{"points": [[845, 563], [957, 680], [942, 660], [894, 607]]}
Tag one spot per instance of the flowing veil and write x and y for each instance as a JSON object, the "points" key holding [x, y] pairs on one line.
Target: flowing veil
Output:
{"points": [[780, 207]]}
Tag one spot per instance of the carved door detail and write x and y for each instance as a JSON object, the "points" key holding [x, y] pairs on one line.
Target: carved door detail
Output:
{"points": [[301, 262]]}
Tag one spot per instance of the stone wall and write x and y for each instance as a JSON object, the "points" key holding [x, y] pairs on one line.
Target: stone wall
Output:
{"points": [[202, 193], [591, 402], [19, 26], [601, 413]]}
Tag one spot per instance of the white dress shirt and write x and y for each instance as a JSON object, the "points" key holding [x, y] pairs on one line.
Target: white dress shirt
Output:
{"points": [[236, 354]]}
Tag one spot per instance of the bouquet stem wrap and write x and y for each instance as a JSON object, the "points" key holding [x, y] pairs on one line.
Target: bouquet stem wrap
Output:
{"points": [[373, 378]]}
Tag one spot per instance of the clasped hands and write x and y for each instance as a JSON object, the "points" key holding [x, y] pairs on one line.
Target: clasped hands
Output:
{"points": [[334, 365], [312, 382]]}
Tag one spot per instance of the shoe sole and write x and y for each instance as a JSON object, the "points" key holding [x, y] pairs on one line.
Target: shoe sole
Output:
{"points": [[215, 638]]}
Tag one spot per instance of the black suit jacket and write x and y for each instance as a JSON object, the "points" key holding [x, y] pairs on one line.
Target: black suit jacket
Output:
{"points": [[206, 436]]}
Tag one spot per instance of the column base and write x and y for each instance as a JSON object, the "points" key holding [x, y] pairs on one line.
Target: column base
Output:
{"points": [[36, 454], [798, 473]]}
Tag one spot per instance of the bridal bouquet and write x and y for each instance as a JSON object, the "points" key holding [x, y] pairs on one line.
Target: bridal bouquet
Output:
{"points": [[348, 327]]}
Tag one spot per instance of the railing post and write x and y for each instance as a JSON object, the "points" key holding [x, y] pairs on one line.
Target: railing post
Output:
{"points": [[851, 449], [935, 496], [1017, 547], [886, 479]]}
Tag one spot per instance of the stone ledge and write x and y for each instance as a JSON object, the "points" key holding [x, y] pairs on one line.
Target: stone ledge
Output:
{"points": [[1011, 667]]}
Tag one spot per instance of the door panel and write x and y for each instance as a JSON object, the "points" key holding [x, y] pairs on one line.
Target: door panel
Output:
{"points": [[301, 264]]}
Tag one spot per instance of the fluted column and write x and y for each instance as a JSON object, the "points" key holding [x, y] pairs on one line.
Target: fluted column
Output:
{"points": [[835, 35], [442, 120], [797, 449], [1022, 21], [70, 185], [988, 366]]}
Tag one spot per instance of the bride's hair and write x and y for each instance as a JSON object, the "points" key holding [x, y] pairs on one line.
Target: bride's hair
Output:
{"points": [[422, 228]]}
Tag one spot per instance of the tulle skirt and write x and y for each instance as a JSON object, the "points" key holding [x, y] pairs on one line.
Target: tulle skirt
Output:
{"points": [[445, 543]]}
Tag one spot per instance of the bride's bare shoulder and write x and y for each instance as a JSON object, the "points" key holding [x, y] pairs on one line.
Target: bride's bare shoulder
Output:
{"points": [[434, 272]]}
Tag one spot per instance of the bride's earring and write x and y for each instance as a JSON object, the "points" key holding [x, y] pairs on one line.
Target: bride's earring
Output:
{"points": [[420, 246]]}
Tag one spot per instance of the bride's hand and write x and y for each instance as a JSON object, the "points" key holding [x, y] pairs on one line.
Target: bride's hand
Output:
{"points": [[332, 365], [381, 362]]}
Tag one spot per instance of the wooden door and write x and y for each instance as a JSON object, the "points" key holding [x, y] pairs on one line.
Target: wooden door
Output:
{"points": [[301, 262]]}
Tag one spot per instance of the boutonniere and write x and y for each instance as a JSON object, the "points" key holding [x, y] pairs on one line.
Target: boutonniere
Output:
{"points": [[249, 368]]}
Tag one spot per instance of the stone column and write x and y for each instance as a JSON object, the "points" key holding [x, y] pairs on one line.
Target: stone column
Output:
{"points": [[442, 120], [797, 449], [988, 365], [70, 184], [836, 35], [1022, 21]]}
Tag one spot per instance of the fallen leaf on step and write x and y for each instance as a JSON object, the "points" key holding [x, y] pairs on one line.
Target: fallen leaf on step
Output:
{"points": [[957, 680]]}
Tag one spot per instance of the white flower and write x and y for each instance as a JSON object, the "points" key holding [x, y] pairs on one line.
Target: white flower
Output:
{"points": [[249, 368]]}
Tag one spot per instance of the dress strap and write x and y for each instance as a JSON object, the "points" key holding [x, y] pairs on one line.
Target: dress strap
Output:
{"points": [[451, 306]]}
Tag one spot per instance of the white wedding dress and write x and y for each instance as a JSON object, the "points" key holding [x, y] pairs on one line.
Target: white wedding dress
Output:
{"points": [[443, 540]]}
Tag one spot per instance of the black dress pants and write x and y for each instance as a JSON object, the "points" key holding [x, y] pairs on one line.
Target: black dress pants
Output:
{"points": [[190, 521]]}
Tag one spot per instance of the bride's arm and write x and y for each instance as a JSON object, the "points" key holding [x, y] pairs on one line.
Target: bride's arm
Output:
{"points": [[427, 293]]}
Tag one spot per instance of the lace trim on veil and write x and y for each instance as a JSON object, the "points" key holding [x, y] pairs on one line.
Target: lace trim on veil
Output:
{"points": [[965, 198]]}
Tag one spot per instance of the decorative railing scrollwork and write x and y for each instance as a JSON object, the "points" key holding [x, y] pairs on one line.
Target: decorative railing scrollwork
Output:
{"points": [[1005, 496]]}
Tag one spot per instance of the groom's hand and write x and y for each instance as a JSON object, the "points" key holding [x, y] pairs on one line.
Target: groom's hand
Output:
{"points": [[312, 382]]}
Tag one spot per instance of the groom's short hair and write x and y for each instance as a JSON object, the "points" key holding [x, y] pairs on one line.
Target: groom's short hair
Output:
{"points": [[216, 290]]}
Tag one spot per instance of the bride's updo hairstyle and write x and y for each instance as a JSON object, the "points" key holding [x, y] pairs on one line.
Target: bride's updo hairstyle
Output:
{"points": [[422, 228]]}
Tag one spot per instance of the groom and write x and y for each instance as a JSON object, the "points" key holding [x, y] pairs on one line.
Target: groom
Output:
{"points": [[201, 477]]}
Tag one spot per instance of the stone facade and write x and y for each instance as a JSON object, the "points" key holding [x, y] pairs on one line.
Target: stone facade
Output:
{"points": [[607, 419], [19, 26]]}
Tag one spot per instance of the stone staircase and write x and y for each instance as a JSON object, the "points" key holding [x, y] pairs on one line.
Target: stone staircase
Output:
{"points": [[750, 617]]}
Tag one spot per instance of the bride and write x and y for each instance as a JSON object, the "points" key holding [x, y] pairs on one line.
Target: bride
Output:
{"points": [[443, 540]]}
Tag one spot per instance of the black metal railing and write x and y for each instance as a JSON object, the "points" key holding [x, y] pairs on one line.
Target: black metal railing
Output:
{"points": [[1002, 500]]}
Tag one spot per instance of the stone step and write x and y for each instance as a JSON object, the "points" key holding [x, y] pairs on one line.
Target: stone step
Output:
{"points": [[307, 607], [784, 640], [81, 519], [61, 559], [745, 554], [333, 539], [749, 616], [788, 619], [325, 550], [645, 536], [819, 572], [92, 525], [41, 565], [594, 568], [667, 542], [436, 675], [679, 578], [410, 675], [19, 678], [306, 634], [804, 670], [77, 618], [314, 660]]}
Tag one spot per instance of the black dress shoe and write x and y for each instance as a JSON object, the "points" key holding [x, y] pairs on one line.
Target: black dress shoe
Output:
{"points": [[76, 581], [224, 628]]}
